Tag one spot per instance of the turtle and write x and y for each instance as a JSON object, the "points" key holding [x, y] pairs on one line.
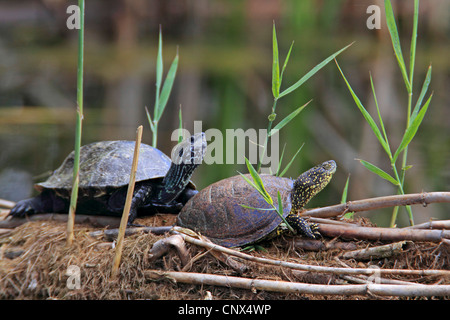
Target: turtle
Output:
{"points": [[217, 212], [161, 185]]}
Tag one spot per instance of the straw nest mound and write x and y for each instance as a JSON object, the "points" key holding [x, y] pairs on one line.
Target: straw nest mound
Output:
{"points": [[36, 263]]}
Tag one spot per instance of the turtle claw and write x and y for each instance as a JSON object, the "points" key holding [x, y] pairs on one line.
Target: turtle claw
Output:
{"points": [[315, 230], [22, 209], [311, 230]]}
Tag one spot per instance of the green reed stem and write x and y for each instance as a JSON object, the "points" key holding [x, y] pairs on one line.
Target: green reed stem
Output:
{"points": [[412, 60], [76, 164], [269, 128]]}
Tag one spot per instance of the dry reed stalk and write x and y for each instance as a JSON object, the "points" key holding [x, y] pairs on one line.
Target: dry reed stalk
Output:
{"points": [[126, 209], [303, 288], [95, 221], [440, 224], [7, 204], [111, 234], [423, 198], [383, 234], [306, 267], [319, 245], [377, 252], [364, 279]]}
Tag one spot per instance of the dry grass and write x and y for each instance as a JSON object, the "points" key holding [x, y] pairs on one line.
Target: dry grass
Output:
{"points": [[34, 259]]}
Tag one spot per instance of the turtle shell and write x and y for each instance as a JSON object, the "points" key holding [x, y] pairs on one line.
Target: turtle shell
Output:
{"points": [[107, 164], [216, 211]]}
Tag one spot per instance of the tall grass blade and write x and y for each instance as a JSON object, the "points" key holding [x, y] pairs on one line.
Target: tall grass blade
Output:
{"points": [[159, 72], [263, 193], [345, 191], [281, 214], [280, 203], [253, 208], [167, 88], [286, 62], [412, 53], [258, 182], [290, 162], [312, 72], [371, 167], [275, 65], [259, 186], [424, 90], [392, 27], [180, 126], [149, 118], [288, 119], [348, 215], [366, 114], [385, 142], [280, 161], [412, 129]]}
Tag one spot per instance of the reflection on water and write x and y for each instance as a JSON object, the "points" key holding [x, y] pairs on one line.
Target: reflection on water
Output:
{"points": [[224, 80]]}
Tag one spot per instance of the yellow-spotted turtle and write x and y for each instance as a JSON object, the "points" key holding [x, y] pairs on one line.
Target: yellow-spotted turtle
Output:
{"points": [[216, 211]]}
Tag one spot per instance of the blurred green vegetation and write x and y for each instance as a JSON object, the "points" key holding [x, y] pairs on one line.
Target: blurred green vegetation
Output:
{"points": [[224, 80]]}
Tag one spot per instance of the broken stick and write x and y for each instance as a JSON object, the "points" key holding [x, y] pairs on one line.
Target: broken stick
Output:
{"points": [[126, 209]]}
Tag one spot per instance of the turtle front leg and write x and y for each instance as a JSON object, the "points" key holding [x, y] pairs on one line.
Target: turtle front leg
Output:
{"points": [[25, 208], [311, 230], [45, 202], [140, 197]]}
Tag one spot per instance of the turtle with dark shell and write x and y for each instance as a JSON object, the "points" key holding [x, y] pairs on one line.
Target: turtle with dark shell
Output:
{"points": [[161, 185], [217, 212]]}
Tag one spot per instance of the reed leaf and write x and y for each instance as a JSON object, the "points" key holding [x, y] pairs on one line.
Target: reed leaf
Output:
{"points": [[392, 27], [312, 72], [253, 208], [366, 114], [275, 65], [385, 142], [262, 192], [348, 215], [280, 204], [410, 132], [412, 53], [345, 191], [280, 161], [286, 60], [288, 119], [180, 126], [159, 72], [290, 162], [424, 90], [373, 168], [258, 184], [280, 213], [167, 88], [149, 118]]}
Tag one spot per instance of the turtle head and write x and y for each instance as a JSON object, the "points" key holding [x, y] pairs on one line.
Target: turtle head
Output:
{"points": [[190, 151], [311, 182], [186, 156]]}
